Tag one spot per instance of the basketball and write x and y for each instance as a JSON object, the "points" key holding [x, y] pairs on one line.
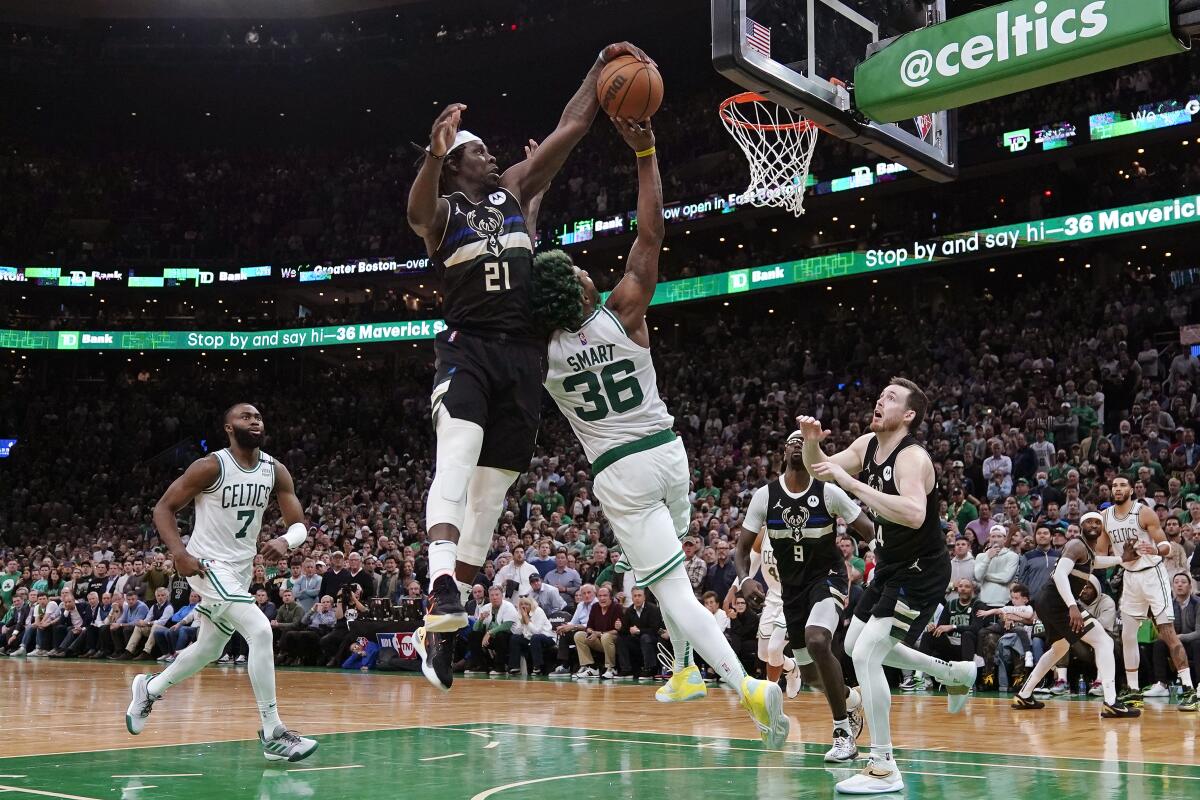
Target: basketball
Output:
{"points": [[629, 88]]}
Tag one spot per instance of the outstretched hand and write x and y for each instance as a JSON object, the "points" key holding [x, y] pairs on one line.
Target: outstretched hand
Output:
{"points": [[618, 49], [445, 128], [810, 428], [638, 135]]}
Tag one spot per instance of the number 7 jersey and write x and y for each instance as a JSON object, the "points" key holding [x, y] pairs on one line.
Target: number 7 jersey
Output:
{"points": [[229, 513], [605, 385]]}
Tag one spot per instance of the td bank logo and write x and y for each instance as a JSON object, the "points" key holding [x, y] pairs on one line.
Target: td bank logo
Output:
{"points": [[1016, 141], [739, 281], [1014, 35], [68, 340]]}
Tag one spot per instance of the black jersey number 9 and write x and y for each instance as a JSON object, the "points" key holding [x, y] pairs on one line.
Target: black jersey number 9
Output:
{"points": [[601, 400], [495, 276]]}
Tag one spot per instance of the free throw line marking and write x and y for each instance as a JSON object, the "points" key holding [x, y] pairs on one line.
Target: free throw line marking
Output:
{"points": [[322, 769], [439, 758]]}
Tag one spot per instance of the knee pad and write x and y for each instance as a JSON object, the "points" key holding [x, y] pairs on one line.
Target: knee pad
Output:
{"points": [[458, 448], [484, 504]]}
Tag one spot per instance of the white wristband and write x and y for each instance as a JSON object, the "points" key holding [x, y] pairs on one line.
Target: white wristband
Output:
{"points": [[296, 535]]}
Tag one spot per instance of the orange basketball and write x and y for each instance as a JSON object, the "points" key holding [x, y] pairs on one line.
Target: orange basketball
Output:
{"points": [[629, 88]]}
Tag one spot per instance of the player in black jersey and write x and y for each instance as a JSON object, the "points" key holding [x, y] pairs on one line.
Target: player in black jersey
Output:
{"points": [[491, 359], [896, 481], [800, 516], [1058, 610]]}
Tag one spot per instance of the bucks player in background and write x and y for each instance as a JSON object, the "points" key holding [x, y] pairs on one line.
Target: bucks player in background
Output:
{"points": [[799, 517], [231, 489], [897, 483], [491, 359], [603, 380], [1058, 609], [1138, 539]]}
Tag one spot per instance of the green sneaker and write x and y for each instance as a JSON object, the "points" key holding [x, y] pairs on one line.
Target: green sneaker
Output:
{"points": [[1132, 697], [1188, 700]]}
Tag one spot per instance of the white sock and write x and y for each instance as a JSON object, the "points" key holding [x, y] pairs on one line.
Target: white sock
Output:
{"points": [[464, 591], [269, 713], [841, 724], [442, 556], [881, 751], [1061, 672], [1185, 675], [789, 663], [1131, 680]]}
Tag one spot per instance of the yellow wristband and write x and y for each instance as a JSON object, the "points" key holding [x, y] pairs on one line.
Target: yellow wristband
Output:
{"points": [[643, 153]]}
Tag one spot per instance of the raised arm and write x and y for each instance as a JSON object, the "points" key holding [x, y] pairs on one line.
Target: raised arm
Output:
{"points": [[533, 175], [427, 211], [199, 475], [850, 459], [631, 297]]}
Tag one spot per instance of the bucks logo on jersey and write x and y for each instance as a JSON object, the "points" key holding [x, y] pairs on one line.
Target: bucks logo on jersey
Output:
{"points": [[488, 222], [796, 518]]}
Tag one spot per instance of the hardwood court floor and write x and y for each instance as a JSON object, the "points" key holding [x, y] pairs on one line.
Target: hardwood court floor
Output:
{"points": [[388, 735]]}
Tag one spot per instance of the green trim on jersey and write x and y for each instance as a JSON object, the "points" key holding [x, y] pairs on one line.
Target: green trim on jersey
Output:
{"points": [[225, 595], [253, 469], [608, 311], [620, 451], [590, 317], [220, 477]]}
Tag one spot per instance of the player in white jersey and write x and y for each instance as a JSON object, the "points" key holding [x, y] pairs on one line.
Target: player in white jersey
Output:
{"points": [[231, 489], [1138, 539], [772, 627], [602, 378]]}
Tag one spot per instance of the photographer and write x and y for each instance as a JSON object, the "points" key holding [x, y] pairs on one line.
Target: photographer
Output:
{"points": [[336, 643]]}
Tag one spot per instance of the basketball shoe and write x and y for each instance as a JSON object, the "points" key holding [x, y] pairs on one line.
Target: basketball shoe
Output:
{"points": [[880, 775], [687, 684], [764, 701], [436, 651], [1027, 704], [446, 613], [793, 680], [844, 749], [959, 684], [140, 707], [285, 745], [1119, 709]]}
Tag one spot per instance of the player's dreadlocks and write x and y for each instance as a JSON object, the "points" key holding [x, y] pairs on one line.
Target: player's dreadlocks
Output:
{"points": [[557, 294]]}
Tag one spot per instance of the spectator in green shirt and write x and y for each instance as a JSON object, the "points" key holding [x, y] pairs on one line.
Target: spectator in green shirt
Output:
{"points": [[708, 493], [552, 500], [961, 510], [8, 582]]}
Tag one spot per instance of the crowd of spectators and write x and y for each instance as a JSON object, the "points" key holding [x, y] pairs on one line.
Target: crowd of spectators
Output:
{"points": [[1033, 413]]}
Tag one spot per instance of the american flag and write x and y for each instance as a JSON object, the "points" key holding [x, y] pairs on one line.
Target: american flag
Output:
{"points": [[758, 37]]}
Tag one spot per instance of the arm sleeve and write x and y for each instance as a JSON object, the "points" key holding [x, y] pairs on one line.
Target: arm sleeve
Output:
{"points": [[837, 501], [1061, 570], [1105, 562], [756, 512]]}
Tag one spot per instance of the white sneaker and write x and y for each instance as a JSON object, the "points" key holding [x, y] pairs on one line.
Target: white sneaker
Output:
{"points": [[793, 681], [240, 660], [609, 674], [139, 706], [1059, 688], [959, 683], [224, 659], [587, 672], [1097, 689], [560, 672], [164, 659], [843, 750], [38, 654], [285, 745], [18, 653], [1157, 690], [493, 672], [879, 776]]}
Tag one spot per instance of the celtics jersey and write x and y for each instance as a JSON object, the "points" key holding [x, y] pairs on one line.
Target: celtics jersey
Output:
{"points": [[802, 528], [486, 262], [770, 568], [229, 513], [604, 384], [1122, 528]]}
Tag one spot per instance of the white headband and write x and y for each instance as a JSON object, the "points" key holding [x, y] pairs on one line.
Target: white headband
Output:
{"points": [[461, 138], [1091, 515]]}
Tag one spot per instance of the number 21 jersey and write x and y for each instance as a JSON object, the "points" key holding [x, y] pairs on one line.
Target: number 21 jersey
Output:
{"points": [[485, 259], [604, 384]]}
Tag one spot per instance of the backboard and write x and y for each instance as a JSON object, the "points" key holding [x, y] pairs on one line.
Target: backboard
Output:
{"points": [[802, 53]]}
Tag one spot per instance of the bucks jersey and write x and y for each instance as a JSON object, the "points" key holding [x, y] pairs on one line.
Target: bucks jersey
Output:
{"points": [[802, 528], [605, 385], [229, 513], [1122, 528], [898, 544], [486, 262]]}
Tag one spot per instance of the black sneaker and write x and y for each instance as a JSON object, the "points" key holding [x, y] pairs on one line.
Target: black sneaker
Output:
{"points": [[446, 613], [1119, 709], [1027, 704], [436, 651]]}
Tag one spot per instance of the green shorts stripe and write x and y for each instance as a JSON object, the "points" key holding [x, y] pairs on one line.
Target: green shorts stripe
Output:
{"points": [[221, 590], [629, 448], [662, 571], [222, 627]]}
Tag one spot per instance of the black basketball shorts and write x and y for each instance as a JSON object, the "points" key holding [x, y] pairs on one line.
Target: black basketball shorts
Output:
{"points": [[909, 593], [799, 601], [494, 381]]}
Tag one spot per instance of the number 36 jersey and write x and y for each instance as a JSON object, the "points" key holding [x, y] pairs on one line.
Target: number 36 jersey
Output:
{"points": [[229, 513], [605, 384]]}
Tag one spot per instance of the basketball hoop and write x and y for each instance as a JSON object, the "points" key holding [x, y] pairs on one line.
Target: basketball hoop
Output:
{"points": [[778, 143]]}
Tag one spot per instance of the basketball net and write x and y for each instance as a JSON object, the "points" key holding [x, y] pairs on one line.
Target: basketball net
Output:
{"points": [[778, 144]]}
